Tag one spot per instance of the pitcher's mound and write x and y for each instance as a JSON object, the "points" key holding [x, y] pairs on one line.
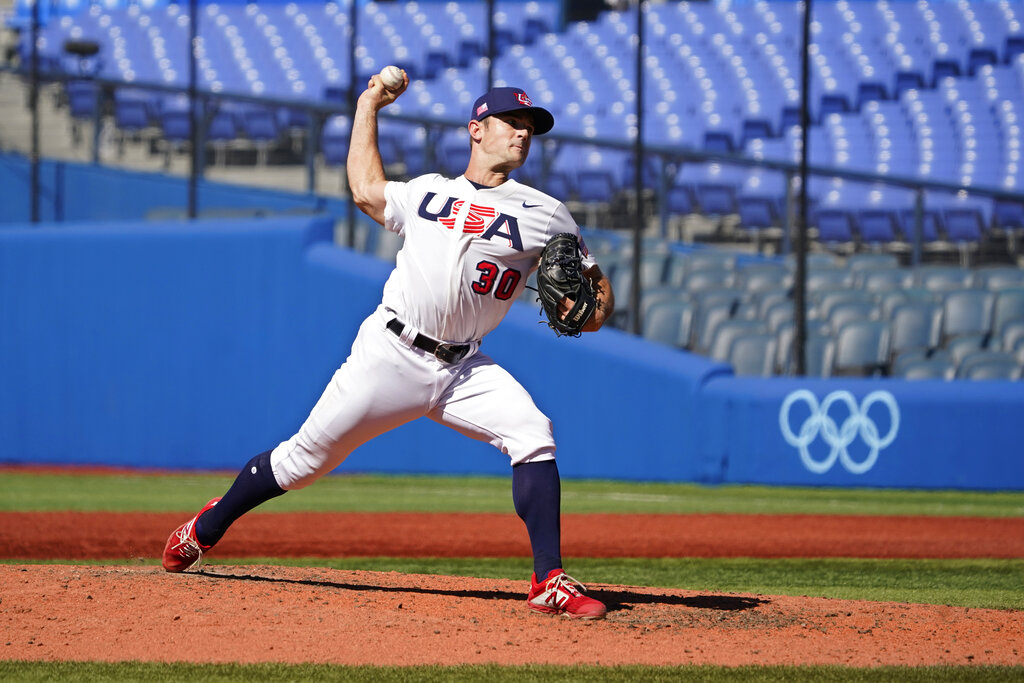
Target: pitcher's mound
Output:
{"points": [[286, 614]]}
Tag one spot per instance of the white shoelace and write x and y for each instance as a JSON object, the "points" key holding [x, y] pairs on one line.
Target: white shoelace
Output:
{"points": [[187, 546], [569, 584]]}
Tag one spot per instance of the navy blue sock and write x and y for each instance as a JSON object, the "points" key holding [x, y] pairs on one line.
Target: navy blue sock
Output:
{"points": [[536, 494], [255, 484]]}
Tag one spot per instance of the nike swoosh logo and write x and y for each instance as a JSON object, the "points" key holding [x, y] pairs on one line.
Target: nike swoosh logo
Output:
{"points": [[530, 206]]}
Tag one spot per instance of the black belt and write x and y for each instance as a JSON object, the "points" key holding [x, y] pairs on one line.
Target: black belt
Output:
{"points": [[446, 353]]}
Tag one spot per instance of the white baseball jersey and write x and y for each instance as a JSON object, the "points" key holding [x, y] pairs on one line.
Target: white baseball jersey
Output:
{"points": [[467, 251], [466, 257]]}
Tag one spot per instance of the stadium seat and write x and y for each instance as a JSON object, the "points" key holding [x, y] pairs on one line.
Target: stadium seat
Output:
{"points": [[836, 228], [967, 312], [1009, 307], [453, 151], [755, 129], [261, 127], [862, 348], [942, 278], [726, 332], [334, 140], [1012, 336], [708, 316], [756, 277], [999, 277], [915, 325], [870, 91], [825, 302], [846, 312], [669, 322], [926, 368], [961, 346], [878, 227], [753, 354], [944, 68], [831, 277], [990, 365], [906, 80], [819, 353], [939, 356], [888, 300], [83, 98], [885, 279], [979, 57]]}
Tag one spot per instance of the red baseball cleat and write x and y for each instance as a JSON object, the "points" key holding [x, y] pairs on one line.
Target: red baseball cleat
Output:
{"points": [[183, 551], [559, 593]]}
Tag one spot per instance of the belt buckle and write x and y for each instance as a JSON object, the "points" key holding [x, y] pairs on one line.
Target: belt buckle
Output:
{"points": [[448, 353]]}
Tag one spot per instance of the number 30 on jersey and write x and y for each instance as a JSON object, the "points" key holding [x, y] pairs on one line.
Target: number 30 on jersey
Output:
{"points": [[504, 286]]}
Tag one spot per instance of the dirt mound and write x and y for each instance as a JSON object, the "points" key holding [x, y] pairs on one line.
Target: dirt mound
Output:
{"points": [[277, 614]]}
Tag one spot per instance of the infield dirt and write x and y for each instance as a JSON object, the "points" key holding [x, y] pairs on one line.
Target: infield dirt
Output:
{"points": [[286, 614]]}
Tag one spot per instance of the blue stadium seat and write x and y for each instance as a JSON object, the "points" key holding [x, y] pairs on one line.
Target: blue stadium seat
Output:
{"points": [[979, 57], [835, 227], [334, 140], [870, 91], [1013, 46]]}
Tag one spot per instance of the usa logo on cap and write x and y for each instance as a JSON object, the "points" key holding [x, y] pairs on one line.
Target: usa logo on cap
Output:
{"points": [[523, 99]]}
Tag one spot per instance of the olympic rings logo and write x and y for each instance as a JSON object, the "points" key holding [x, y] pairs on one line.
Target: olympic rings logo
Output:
{"points": [[839, 437]]}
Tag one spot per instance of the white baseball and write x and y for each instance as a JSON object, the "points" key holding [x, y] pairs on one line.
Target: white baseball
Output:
{"points": [[392, 77]]}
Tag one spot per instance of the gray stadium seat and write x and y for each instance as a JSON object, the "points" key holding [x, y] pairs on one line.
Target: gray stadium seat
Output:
{"points": [[848, 312], [926, 368], [727, 332], [915, 325], [961, 346], [997, 278], [1009, 307], [967, 311], [1012, 336], [939, 278], [989, 365], [885, 279], [669, 322], [753, 354], [862, 348]]}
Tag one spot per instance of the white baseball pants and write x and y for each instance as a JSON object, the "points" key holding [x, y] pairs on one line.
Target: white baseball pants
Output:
{"points": [[386, 382]]}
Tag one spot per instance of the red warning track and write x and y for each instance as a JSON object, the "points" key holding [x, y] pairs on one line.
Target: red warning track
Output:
{"points": [[93, 535]]}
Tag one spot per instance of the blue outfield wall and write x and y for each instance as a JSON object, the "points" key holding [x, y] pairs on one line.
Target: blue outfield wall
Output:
{"points": [[198, 344], [864, 432], [71, 191]]}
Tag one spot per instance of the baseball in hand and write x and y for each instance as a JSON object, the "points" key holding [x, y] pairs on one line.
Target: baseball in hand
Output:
{"points": [[392, 77]]}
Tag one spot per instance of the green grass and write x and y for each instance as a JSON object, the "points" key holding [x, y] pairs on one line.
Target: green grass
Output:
{"points": [[993, 584], [373, 493], [32, 672], [967, 583]]}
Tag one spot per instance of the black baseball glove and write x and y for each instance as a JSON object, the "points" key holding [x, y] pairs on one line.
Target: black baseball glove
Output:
{"points": [[560, 275]]}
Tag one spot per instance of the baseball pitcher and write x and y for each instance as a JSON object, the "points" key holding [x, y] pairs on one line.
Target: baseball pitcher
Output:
{"points": [[470, 243]]}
